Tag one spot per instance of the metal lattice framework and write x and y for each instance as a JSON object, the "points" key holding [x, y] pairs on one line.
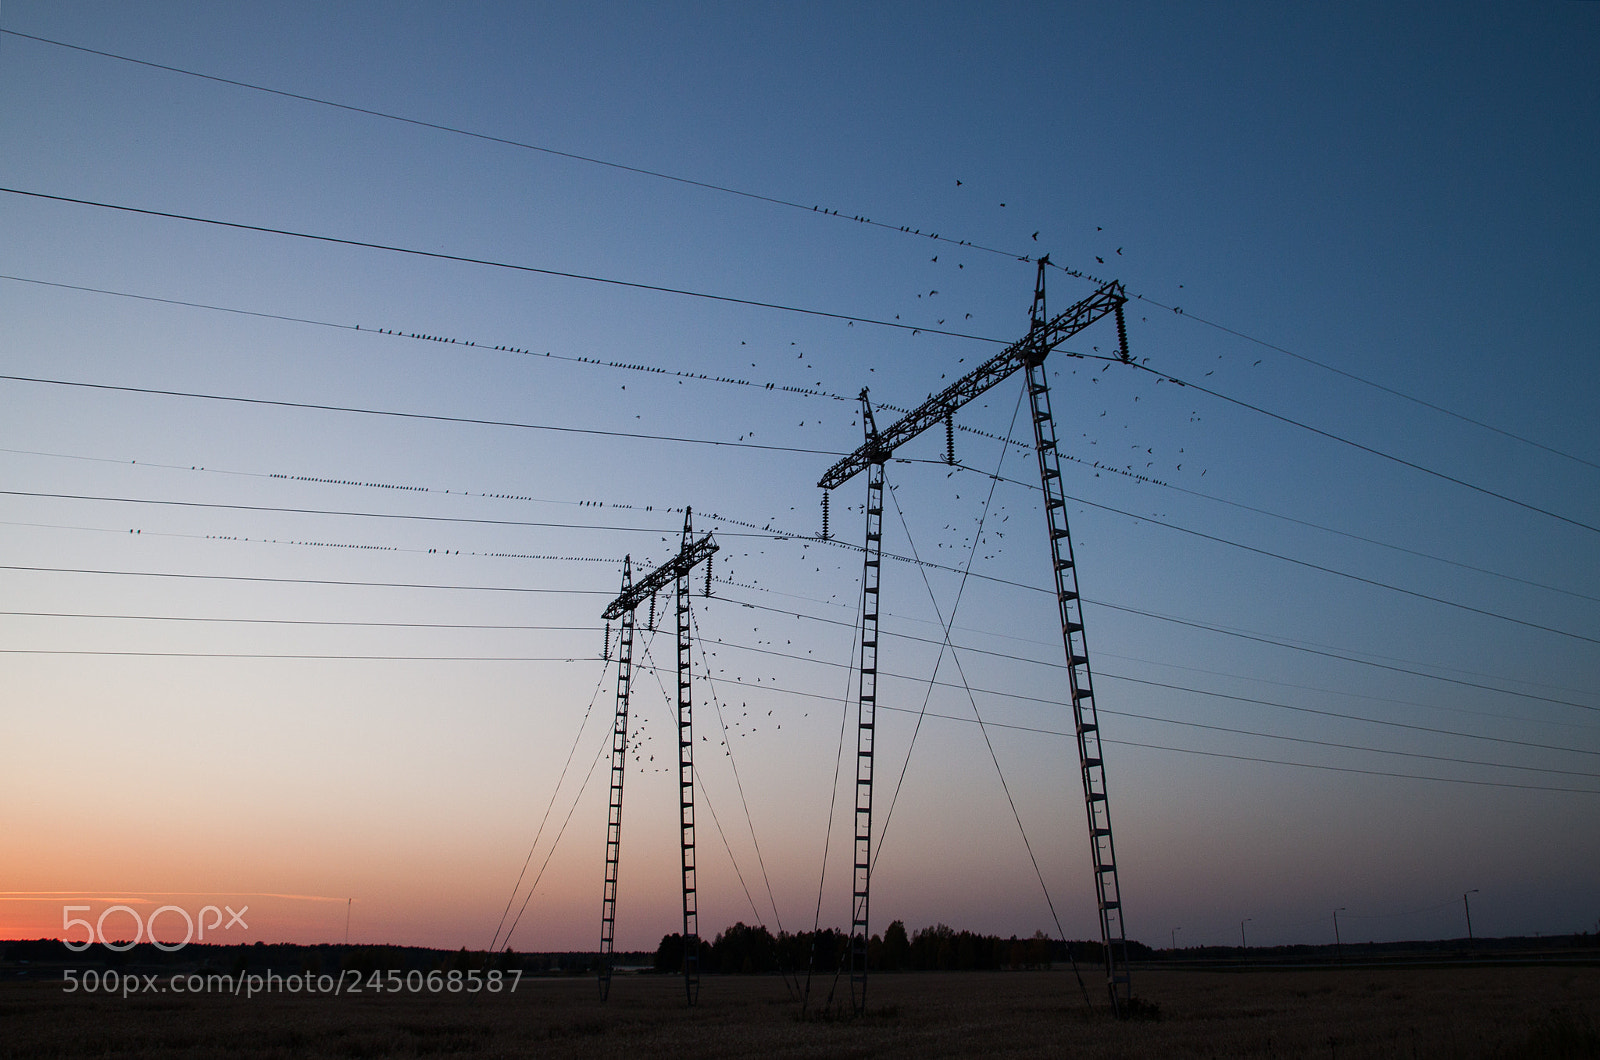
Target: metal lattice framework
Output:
{"points": [[1027, 354], [690, 554], [866, 714], [619, 758]]}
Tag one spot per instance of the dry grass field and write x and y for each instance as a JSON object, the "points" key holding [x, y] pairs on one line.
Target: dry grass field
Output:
{"points": [[1539, 1011]]}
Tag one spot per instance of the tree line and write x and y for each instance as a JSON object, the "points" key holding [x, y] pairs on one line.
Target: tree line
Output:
{"points": [[745, 950]]}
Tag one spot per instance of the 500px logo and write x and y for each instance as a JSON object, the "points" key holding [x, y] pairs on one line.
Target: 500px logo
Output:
{"points": [[144, 929]]}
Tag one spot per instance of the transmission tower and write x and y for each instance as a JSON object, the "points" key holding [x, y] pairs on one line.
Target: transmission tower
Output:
{"points": [[1027, 354], [690, 553]]}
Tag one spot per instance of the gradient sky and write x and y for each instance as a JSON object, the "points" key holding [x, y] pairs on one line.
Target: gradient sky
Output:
{"points": [[1343, 612]]}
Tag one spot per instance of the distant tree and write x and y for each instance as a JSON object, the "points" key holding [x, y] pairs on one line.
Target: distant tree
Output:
{"points": [[744, 950], [669, 955], [896, 946], [933, 948]]}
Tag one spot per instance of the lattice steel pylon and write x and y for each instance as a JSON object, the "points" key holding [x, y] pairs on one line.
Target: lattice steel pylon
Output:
{"points": [[1029, 353], [690, 553]]}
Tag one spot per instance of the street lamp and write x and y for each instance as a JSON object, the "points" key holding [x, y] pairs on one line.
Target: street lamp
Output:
{"points": [[1468, 906], [1242, 944], [1338, 944]]}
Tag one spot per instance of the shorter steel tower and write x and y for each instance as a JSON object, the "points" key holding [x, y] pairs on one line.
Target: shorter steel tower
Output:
{"points": [[690, 553]]}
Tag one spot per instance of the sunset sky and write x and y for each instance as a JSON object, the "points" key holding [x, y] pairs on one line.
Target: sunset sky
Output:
{"points": [[346, 350]]}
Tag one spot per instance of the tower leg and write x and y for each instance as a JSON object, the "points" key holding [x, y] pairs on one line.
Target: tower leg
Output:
{"points": [[866, 732], [691, 930], [619, 757], [1090, 762]]}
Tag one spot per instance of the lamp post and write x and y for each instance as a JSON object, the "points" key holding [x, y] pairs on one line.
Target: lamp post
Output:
{"points": [[1468, 907], [1338, 944], [1242, 944]]}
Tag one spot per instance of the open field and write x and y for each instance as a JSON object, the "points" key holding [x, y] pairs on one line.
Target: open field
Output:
{"points": [[1518, 1011]]}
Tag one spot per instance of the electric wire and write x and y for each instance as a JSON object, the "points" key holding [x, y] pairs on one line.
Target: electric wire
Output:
{"points": [[599, 754], [699, 782], [945, 642], [1244, 758], [1370, 383], [1172, 526], [733, 765], [422, 416], [554, 792], [519, 627], [505, 141], [814, 209], [833, 799], [406, 516], [1498, 716], [301, 581], [807, 391], [1171, 687], [994, 757], [1291, 421], [338, 657], [438, 255], [1352, 769], [1323, 568]]}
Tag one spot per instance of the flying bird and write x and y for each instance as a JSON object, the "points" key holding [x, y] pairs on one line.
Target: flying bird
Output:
{"points": [[1036, 237]]}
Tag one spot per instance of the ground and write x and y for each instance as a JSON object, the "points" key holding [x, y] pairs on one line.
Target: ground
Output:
{"points": [[1547, 1011]]}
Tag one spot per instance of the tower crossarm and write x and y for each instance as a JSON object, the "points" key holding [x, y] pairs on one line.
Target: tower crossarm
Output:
{"points": [[687, 558], [1029, 350]]}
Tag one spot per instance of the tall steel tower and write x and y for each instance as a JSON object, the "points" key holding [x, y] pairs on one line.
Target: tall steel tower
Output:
{"points": [[1027, 354], [690, 553]]}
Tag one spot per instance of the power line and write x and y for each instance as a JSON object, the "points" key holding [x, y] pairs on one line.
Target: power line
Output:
{"points": [[814, 209], [551, 806], [1368, 382], [298, 655], [481, 626], [430, 417], [1374, 541], [1168, 686], [1260, 638], [438, 255], [725, 189], [1369, 449], [1352, 747], [1186, 750], [1215, 673], [1377, 583], [300, 581], [1352, 769], [1158, 522], [281, 510], [812, 392]]}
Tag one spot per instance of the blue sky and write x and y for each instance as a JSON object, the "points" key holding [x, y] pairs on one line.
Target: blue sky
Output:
{"points": [[1378, 224]]}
